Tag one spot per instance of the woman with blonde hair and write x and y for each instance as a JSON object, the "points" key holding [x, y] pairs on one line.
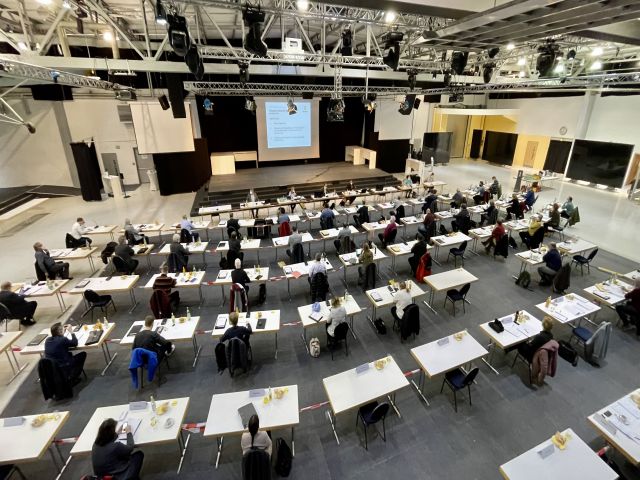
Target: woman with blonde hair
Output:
{"points": [[529, 348], [337, 315], [403, 299]]}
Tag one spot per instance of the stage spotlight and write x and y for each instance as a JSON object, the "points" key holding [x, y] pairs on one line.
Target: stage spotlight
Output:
{"points": [[244, 72], [390, 16], [407, 105], [292, 108], [459, 62], [179, 35], [492, 52], [347, 38], [412, 75], [559, 68], [391, 54], [207, 104], [447, 78], [522, 61], [161, 13], [335, 110], [597, 51], [194, 62], [546, 58], [107, 36], [164, 102], [253, 19], [571, 55], [597, 65], [54, 74], [487, 71], [302, 5], [369, 102], [30, 127], [456, 98], [250, 104], [510, 46]]}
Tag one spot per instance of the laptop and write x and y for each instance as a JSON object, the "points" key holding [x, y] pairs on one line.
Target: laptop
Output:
{"points": [[246, 412]]}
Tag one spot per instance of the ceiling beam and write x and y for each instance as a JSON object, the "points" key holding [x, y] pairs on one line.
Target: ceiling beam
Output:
{"points": [[44, 44]]}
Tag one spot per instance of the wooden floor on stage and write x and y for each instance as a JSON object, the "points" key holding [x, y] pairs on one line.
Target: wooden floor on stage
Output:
{"points": [[293, 174]]}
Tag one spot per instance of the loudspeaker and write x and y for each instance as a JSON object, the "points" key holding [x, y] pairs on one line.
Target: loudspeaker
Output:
{"points": [[307, 95], [416, 103], [176, 95], [164, 102], [55, 93]]}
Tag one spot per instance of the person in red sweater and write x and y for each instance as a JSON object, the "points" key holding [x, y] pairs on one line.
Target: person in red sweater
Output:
{"points": [[496, 234], [385, 237], [629, 312]]}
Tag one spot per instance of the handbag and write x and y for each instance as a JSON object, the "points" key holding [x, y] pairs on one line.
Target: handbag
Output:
{"points": [[497, 326]]}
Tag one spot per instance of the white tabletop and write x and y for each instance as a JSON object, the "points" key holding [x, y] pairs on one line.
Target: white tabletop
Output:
{"points": [[283, 241], [187, 279], [224, 419], [215, 209], [625, 438], [349, 389], [568, 308], [449, 279], [403, 248], [147, 227], [100, 229], [24, 442], [388, 297], [577, 461], [195, 247], [292, 218], [351, 306], [224, 276], [183, 329], [345, 258], [82, 336], [482, 232], [272, 322], [296, 270], [197, 224], [333, 232], [516, 225], [514, 333], [40, 289], [631, 276], [259, 203], [7, 339], [146, 433], [373, 226], [245, 244], [574, 247], [450, 240], [411, 220], [531, 257], [435, 359], [137, 248], [608, 293], [72, 253], [117, 283]]}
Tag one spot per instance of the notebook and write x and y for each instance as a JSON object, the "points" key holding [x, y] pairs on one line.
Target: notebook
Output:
{"points": [[94, 337], [221, 322], [262, 322], [134, 330], [37, 340], [246, 412], [315, 316], [82, 284]]}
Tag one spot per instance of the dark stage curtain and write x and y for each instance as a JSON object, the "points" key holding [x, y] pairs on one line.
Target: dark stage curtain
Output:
{"points": [[557, 156], [392, 155], [183, 172], [88, 168], [499, 147]]}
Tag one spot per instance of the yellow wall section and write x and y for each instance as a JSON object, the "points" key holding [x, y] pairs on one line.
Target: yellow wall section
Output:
{"points": [[498, 123], [439, 121]]}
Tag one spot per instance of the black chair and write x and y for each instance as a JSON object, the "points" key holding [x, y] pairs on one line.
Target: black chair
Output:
{"points": [[120, 266], [71, 242], [537, 238], [339, 335], [97, 301], [370, 414], [185, 236], [256, 465], [390, 239], [582, 261], [296, 253], [456, 380], [176, 263], [409, 323], [7, 471], [369, 277], [356, 221], [43, 275], [457, 296], [6, 316], [458, 252], [54, 381]]}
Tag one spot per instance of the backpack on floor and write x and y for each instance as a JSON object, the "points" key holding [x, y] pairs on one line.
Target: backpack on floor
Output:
{"points": [[443, 230], [262, 294], [224, 264], [283, 458], [314, 347], [381, 328], [524, 279], [568, 353]]}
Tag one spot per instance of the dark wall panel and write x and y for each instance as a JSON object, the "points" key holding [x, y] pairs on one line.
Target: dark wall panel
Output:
{"points": [[392, 155], [499, 147], [557, 156], [183, 172], [436, 145], [599, 162], [88, 167]]}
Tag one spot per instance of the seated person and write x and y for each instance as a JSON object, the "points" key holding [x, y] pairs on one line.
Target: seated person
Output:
{"points": [[294, 238], [345, 231], [531, 346], [176, 248], [78, 230], [385, 237], [554, 218], [238, 275], [166, 283], [152, 341], [48, 265], [235, 331], [629, 311], [461, 220], [337, 315], [527, 235], [317, 266], [399, 212], [418, 250], [363, 212], [496, 234], [403, 298], [255, 438], [57, 348], [135, 237], [478, 198], [292, 195], [365, 258], [428, 224], [187, 225], [235, 248], [429, 199], [488, 213], [327, 216], [18, 307], [529, 197], [514, 208], [126, 253], [457, 199], [552, 264], [494, 188], [408, 184], [110, 457], [233, 223], [567, 208], [282, 216]]}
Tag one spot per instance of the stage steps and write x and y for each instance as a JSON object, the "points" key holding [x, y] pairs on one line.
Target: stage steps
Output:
{"points": [[205, 198]]}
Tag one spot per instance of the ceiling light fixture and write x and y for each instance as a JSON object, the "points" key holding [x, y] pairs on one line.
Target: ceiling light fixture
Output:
{"points": [[22, 46], [66, 5], [559, 68], [302, 5], [161, 13], [522, 61], [521, 74], [253, 19], [510, 46], [597, 65], [107, 36], [597, 51], [44, 2], [390, 16]]}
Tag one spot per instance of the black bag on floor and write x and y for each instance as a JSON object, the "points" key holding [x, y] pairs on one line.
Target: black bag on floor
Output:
{"points": [[381, 328], [283, 458], [512, 243], [524, 279], [221, 357], [262, 293], [443, 230], [568, 353]]}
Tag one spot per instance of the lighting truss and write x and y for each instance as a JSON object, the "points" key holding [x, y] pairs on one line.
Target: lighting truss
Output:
{"points": [[582, 82], [12, 68], [285, 89]]}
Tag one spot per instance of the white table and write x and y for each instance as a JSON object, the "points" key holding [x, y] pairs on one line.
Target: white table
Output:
{"points": [[214, 209], [284, 242], [144, 250], [387, 295], [443, 355], [152, 430], [410, 220], [577, 461], [194, 247], [223, 418], [447, 280], [300, 270], [25, 443], [612, 295], [47, 288], [304, 312], [66, 254], [82, 335], [198, 225], [351, 259], [514, 334], [112, 284], [400, 249], [7, 340], [272, 324], [183, 330], [516, 225], [529, 258], [246, 244], [256, 275], [575, 247], [183, 280], [332, 234], [150, 228], [481, 234], [631, 276], [101, 230], [449, 240], [609, 422], [569, 308], [350, 389]]}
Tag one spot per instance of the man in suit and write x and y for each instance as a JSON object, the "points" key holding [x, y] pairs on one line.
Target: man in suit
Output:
{"points": [[363, 213], [57, 348], [429, 199], [294, 238], [152, 341], [126, 253], [166, 283], [17, 305], [186, 224], [47, 265], [552, 263], [238, 275], [176, 248], [232, 224]]}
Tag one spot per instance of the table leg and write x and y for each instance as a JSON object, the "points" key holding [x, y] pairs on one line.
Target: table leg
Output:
{"points": [[332, 421], [182, 445], [107, 357], [289, 288], [392, 401], [53, 459], [293, 442], [200, 294], [148, 262], [91, 264], [372, 317], [17, 369], [196, 350], [353, 332], [474, 250], [276, 345], [134, 302], [491, 347], [204, 261], [436, 247], [304, 340], [219, 440], [63, 306], [223, 296], [430, 302], [420, 388]]}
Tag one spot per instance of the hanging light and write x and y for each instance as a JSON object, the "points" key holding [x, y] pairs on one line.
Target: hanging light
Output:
{"points": [[522, 61], [521, 74], [390, 16], [302, 5], [597, 65], [559, 68], [161, 13], [597, 51], [510, 46], [107, 36], [22, 46]]}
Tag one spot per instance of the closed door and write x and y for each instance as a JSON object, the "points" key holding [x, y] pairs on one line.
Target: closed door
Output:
{"points": [[530, 154], [457, 125], [110, 163], [145, 163]]}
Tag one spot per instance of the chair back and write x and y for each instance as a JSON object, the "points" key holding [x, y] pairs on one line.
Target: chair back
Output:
{"points": [[40, 275], [69, 241], [592, 254], [5, 313], [392, 236], [370, 276], [129, 238], [297, 253], [319, 287], [399, 212], [356, 221], [53, 380], [462, 247], [91, 296], [185, 236], [341, 331], [346, 245], [256, 465], [379, 413], [230, 230], [284, 229], [160, 304], [119, 265], [465, 289], [537, 238], [238, 298], [176, 263], [470, 377]]}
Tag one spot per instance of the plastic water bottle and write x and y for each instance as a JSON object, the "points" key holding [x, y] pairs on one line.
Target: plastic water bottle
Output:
{"points": [[173, 320], [105, 322], [152, 401], [188, 314]]}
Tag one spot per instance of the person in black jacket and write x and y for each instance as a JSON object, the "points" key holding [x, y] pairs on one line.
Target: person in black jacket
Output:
{"points": [[363, 213], [232, 223], [235, 331], [152, 341], [48, 265], [57, 348], [240, 276], [110, 457], [235, 247], [125, 252], [429, 199], [418, 250], [529, 348], [176, 247], [17, 305]]}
